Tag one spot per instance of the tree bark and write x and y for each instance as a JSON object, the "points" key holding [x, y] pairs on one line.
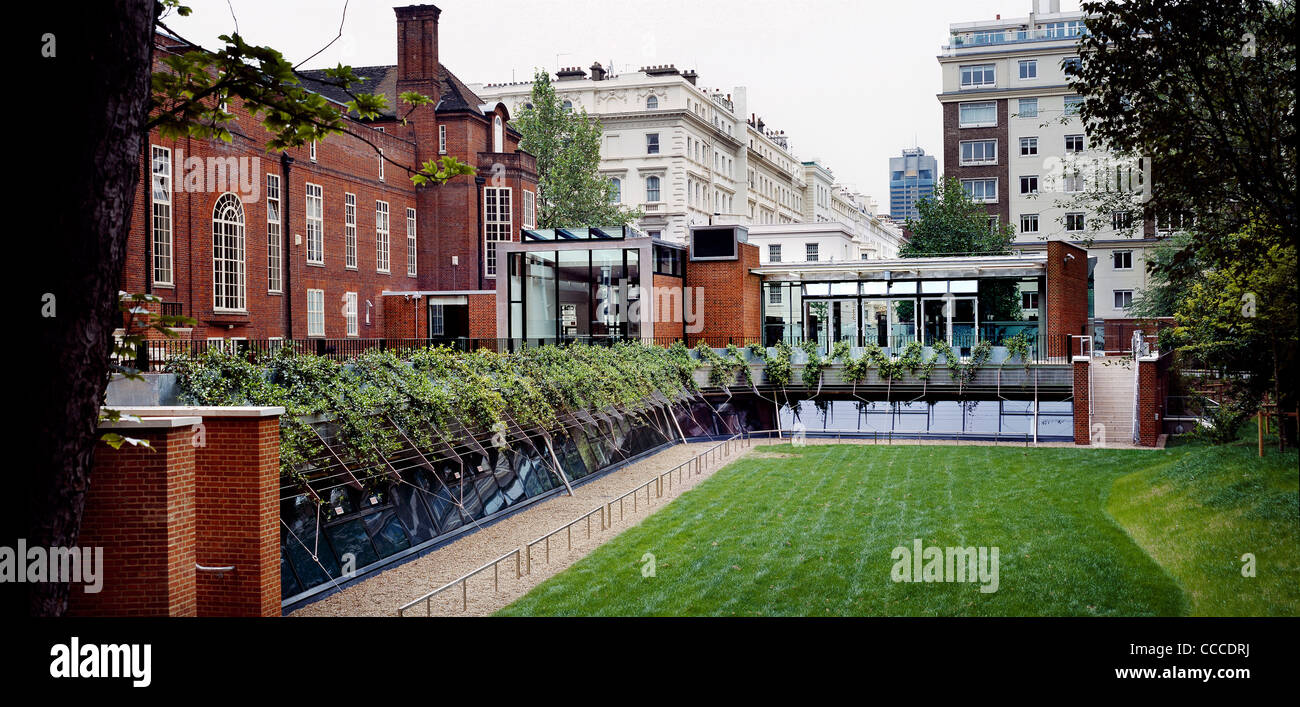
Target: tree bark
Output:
{"points": [[102, 65]]}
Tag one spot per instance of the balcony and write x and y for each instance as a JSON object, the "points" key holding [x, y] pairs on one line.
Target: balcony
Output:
{"points": [[974, 40]]}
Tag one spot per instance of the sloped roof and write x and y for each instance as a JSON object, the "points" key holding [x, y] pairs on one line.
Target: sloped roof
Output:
{"points": [[455, 95]]}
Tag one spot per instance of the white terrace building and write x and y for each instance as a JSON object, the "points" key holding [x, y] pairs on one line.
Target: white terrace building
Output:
{"points": [[685, 154]]}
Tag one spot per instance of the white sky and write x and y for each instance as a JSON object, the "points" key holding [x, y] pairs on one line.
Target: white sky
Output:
{"points": [[851, 83]]}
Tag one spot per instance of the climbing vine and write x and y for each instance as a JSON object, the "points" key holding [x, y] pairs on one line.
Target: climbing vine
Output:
{"points": [[369, 407]]}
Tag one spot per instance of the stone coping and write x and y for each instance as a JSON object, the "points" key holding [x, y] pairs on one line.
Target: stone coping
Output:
{"points": [[200, 410], [154, 423]]}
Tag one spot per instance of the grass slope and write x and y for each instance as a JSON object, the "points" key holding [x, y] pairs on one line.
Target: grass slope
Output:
{"points": [[808, 531], [1198, 514]]}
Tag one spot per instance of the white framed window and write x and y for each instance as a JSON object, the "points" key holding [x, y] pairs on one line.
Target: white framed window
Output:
{"points": [[1073, 104], [228, 277], [381, 237], [1028, 146], [311, 150], [977, 115], [274, 236], [442, 139], [350, 231], [1073, 182], [1028, 68], [1028, 108], [381, 164], [1074, 222], [810, 252], [978, 76], [1068, 63], [437, 320], [498, 134], [1029, 300], [1029, 184], [1075, 143], [1121, 259], [616, 190], [774, 252], [652, 189], [652, 143], [1121, 220], [530, 209], [315, 221], [1029, 223], [497, 224], [651, 103], [315, 312], [410, 243], [1123, 299], [161, 169], [350, 313], [774, 295], [975, 152], [983, 191]]}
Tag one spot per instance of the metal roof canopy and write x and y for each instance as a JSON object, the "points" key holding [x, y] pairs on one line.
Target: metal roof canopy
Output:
{"points": [[965, 267]]}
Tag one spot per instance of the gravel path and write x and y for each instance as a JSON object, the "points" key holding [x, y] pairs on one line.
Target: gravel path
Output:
{"points": [[382, 594]]}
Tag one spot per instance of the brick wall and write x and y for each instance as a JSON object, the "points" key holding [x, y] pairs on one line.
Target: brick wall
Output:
{"points": [[732, 309], [482, 316], [952, 138], [140, 509], [205, 495], [667, 324], [237, 514], [1150, 398], [405, 318], [1067, 296], [1082, 412]]}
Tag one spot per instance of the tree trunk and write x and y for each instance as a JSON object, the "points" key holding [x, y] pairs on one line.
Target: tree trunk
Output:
{"points": [[103, 60]]}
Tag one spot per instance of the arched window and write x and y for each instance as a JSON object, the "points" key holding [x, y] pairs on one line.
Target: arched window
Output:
{"points": [[652, 189], [498, 135], [228, 281], [568, 105], [651, 103], [616, 193]]}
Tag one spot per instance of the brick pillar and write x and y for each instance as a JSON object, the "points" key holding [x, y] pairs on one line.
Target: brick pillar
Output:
{"points": [[732, 299], [1082, 411], [1148, 403], [1067, 296], [140, 510], [237, 513], [483, 315]]}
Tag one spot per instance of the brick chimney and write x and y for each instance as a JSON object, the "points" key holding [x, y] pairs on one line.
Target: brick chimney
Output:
{"points": [[417, 48]]}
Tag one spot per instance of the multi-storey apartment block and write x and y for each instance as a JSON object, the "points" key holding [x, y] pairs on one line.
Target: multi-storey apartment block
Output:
{"points": [[1013, 137]]}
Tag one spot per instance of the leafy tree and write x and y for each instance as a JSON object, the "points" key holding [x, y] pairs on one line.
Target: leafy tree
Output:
{"points": [[571, 189], [1170, 275], [102, 56], [1240, 318], [1208, 90], [951, 222]]}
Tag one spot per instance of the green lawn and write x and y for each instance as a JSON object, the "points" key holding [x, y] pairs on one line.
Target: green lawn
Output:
{"points": [[809, 531]]}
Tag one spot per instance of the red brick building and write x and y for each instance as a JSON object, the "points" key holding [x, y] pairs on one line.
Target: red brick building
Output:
{"points": [[253, 244]]}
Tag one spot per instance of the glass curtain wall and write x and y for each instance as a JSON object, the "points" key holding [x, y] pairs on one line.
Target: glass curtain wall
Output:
{"points": [[575, 294]]}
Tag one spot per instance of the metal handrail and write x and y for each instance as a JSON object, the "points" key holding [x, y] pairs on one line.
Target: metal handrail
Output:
{"points": [[607, 522]]}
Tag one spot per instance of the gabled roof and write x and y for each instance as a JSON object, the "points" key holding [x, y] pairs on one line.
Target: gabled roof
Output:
{"points": [[455, 95]]}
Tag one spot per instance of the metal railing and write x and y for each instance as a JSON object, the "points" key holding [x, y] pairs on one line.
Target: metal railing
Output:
{"points": [[694, 467]]}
